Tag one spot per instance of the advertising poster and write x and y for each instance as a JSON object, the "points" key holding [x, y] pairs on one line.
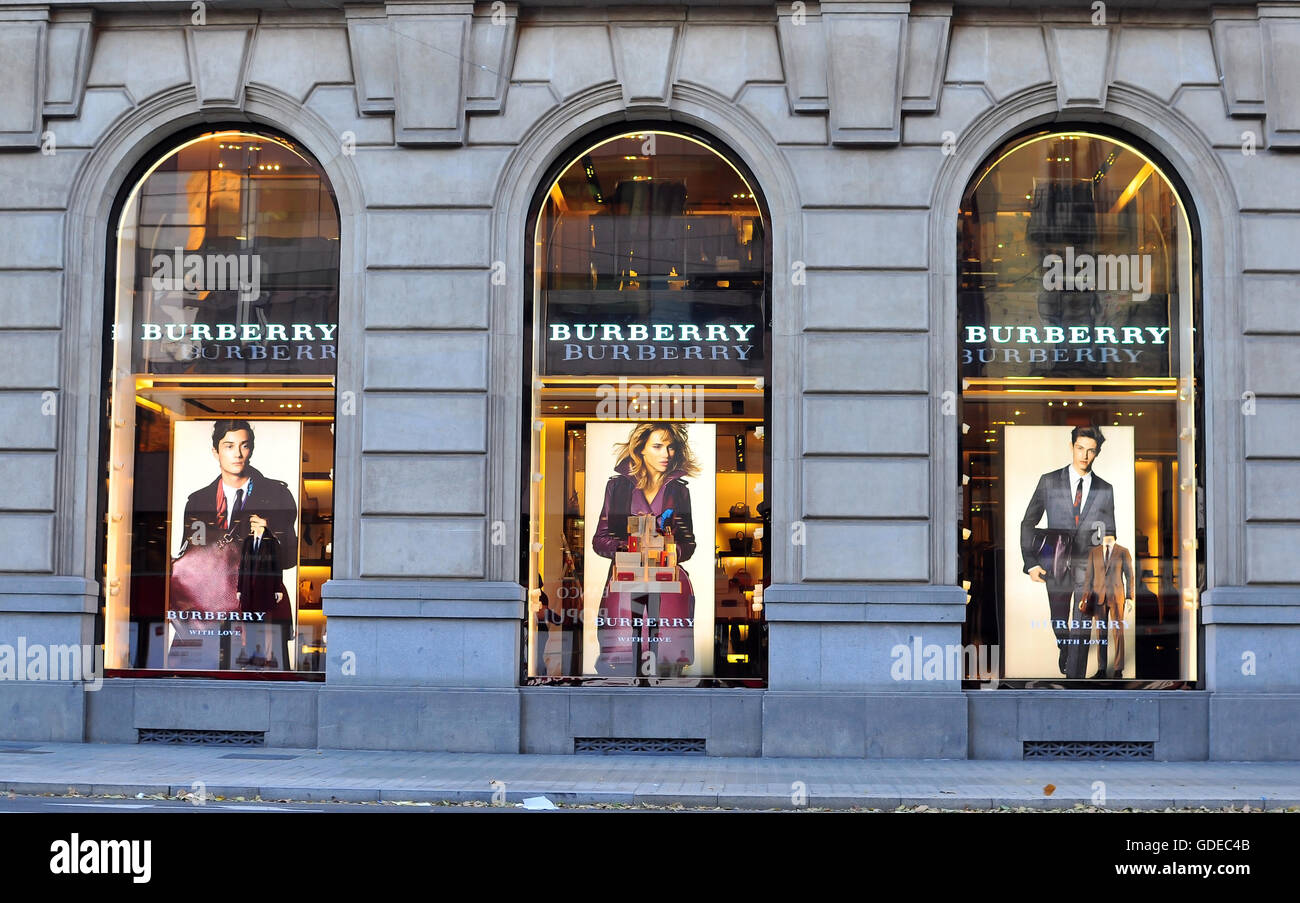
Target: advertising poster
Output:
{"points": [[233, 539], [1077, 622], [640, 633]]}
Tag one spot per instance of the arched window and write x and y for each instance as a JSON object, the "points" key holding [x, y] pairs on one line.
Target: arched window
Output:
{"points": [[1079, 407], [220, 448], [649, 397]]}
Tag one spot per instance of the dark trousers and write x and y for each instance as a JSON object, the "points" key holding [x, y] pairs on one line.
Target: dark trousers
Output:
{"points": [[644, 656], [1072, 648], [1093, 633], [1105, 613], [646, 607], [1103, 640]]}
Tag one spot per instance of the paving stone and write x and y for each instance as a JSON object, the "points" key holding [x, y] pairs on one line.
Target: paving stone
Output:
{"points": [[370, 776]]}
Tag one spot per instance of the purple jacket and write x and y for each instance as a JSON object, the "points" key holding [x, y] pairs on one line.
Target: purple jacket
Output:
{"points": [[611, 531]]}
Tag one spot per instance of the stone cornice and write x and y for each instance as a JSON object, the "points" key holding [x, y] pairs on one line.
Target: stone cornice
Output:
{"points": [[428, 64]]}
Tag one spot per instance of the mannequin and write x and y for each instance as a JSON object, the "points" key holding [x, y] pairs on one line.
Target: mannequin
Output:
{"points": [[1108, 597]]}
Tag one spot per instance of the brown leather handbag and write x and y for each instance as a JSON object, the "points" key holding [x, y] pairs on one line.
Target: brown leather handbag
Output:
{"points": [[204, 578]]}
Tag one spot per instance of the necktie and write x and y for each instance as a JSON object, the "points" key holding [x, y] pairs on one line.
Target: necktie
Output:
{"points": [[1078, 497], [223, 512], [1106, 560], [239, 502]]}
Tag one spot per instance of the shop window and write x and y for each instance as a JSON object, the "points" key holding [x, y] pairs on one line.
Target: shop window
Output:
{"points": [[1081, 514], [646, 552], [220, 432]]}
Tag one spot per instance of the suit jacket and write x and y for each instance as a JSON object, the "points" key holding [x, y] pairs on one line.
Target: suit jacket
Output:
{"points": [[611, 530], [1109, 583], [260, 578], [1054, 495], [270, 499]]}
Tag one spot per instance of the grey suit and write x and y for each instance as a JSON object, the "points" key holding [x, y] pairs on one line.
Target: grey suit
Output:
{"points": [[1054, 496]]}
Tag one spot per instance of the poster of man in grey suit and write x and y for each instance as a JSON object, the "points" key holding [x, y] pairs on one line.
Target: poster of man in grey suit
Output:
{"points": [[1070, 509]]}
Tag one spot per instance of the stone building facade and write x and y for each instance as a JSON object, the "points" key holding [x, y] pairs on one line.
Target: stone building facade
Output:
{"points": [[861, 125]]}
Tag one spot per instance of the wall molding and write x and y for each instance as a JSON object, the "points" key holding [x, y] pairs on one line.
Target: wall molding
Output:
{"points": [[405, 56]]}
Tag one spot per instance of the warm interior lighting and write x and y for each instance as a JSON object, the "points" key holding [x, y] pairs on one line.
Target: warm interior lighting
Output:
{"points": [[1133, 187]]}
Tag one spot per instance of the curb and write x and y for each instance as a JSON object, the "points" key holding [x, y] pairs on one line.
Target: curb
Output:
{"points": [[759, 800]]}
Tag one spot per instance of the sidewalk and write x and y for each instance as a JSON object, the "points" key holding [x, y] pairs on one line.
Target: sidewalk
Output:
{"points": [[661, 780]]}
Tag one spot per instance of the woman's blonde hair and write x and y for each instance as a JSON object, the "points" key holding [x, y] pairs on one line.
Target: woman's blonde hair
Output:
{"points": [[632, 451]]}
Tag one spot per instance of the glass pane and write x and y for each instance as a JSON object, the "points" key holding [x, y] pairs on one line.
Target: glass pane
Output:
{"points": [[221, 448], [647, 558], [651, 256], [1075, 307]]}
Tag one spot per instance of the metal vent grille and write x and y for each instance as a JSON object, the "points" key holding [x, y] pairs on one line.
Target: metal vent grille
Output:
{"points": [[202, 738], [1090, 749], [614, 746]]}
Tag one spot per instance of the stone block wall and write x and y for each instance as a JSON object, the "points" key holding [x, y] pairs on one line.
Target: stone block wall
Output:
{"points": [[861, 122]]}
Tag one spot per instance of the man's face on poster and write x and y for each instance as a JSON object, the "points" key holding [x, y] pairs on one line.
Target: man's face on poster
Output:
{"points": [[1085, 452], [233, 453]]}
